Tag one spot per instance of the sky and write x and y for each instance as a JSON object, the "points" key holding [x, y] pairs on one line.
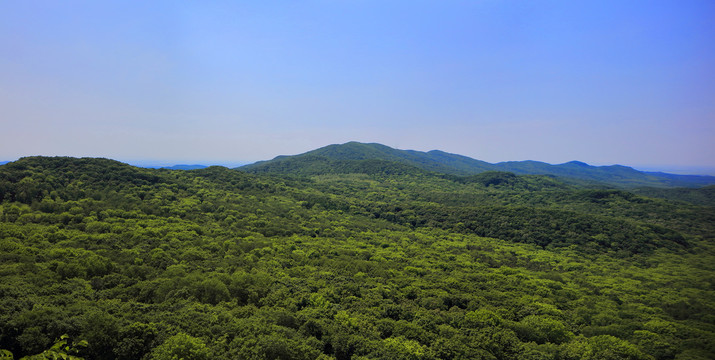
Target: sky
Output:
{"points": [[231, 82]]}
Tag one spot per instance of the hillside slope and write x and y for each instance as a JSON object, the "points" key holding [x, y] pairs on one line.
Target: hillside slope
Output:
{"points": [[222, 264], [322, 160], [436, 161]]}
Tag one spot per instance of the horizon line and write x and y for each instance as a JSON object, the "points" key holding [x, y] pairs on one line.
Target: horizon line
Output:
{"points": [[693, 170]]}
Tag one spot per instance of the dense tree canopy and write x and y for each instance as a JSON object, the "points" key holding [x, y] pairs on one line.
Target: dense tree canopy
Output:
{"points": [[376, 262]]}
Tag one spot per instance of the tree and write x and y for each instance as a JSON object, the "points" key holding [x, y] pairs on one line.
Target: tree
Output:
{"points": [[64, 348], [603, 347], [182, 347]]}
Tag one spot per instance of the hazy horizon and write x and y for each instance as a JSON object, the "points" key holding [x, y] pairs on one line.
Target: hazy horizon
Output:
{"points": [[158, 163], [603, 82]]}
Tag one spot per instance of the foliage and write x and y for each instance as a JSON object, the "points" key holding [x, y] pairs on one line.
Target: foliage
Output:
{"points": [[181, 346], [351, 157], [64, 348], [223, 264]]}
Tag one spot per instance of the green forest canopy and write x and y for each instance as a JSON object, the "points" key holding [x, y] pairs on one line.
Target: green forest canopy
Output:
{"points": [[360, 157], [376, 262]]}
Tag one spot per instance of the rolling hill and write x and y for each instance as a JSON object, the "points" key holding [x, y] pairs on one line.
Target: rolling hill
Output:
{"points": [[353, 156], [378, 259]]}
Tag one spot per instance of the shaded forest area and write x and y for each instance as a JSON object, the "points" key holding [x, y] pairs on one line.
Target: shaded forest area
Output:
{"points": [[102, 260]]}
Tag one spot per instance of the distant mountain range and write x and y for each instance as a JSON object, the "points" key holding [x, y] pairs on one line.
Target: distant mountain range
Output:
{"points": [[355, 157], [185, 167], [175, 167]]}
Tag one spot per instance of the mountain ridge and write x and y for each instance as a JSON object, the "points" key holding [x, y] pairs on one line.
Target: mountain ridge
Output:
{"points": [[321, 160]]}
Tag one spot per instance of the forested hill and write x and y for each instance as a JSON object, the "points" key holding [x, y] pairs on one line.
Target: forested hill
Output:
{"points": [[379, 260], [352, 152], [327, 159]]}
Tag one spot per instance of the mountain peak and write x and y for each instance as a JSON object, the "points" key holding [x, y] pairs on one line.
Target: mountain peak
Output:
{"points": [[577, 163], [359, 157]]}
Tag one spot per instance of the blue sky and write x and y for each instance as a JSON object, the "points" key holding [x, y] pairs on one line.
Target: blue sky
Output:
{"points": [[228, 82]]}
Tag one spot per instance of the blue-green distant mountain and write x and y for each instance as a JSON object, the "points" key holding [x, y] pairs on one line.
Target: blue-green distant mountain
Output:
{"points": [[185, 167], [174, 167], [363, 158], [355, 157]]}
